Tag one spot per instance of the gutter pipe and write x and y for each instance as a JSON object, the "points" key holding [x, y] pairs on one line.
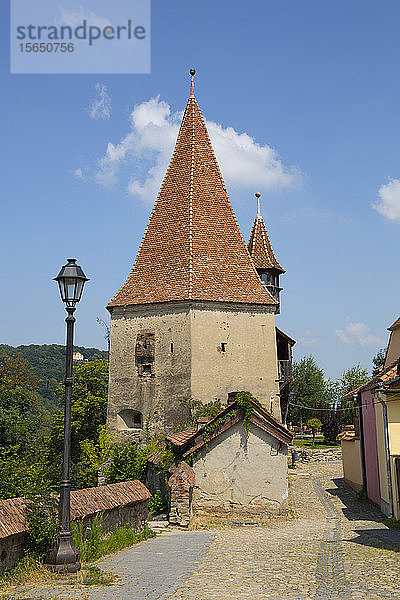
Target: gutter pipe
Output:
{"points": [[387, 453], [357, 399]]}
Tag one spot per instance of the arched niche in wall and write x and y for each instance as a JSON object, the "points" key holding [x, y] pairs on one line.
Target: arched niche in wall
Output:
{"points": [[129, 419]]}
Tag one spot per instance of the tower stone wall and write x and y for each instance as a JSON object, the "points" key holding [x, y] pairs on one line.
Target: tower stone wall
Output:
{"points": [[154, 392], [163, 353], [233, 350]]}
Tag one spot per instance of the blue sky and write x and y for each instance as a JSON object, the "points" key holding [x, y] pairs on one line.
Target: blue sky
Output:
{"points": [[315, 88]]}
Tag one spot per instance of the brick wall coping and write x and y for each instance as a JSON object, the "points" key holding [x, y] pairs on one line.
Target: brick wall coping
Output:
{"points": [[83, 502]]}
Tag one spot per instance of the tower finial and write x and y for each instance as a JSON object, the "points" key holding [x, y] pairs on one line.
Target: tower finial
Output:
{"points": [[192, 73], [258, 195]]}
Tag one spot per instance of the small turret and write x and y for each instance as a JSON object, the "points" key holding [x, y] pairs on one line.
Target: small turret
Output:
{"points": [[268, 268]]}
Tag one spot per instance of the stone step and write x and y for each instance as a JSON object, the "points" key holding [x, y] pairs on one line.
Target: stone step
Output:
{"points": [[158, 526]]}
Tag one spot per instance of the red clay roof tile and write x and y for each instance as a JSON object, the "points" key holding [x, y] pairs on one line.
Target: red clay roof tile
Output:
{"points": [[83, 502], [260, 247], [192, 248]]}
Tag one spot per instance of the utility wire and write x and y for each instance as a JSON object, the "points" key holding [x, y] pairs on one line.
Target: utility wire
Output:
{"points": [[339, 409]]}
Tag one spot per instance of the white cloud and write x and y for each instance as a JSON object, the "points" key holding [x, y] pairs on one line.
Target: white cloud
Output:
{"points": [[309, 339], [75, 17], [78, 173], [357, 333], [100, 107], [147, 149], [388, 204]]}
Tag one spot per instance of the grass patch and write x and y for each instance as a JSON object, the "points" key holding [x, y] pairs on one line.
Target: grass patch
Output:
{"points": [[92, 544], [92, 575], [320, 443], [29, 569]]}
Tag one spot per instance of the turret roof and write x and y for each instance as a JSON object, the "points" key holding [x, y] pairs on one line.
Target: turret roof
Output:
{"points": [[260, 247], [192, 248]]}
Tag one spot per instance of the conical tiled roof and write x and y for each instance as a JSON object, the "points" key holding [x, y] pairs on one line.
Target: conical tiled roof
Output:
{"points": [[192, 248], [260, 248]]}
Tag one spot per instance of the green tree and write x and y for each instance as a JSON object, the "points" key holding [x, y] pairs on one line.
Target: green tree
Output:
{"points": [[311, 389], [15, 372], [314, 424], [379, 359], [351, 379], [20, 407], [88, 417]]}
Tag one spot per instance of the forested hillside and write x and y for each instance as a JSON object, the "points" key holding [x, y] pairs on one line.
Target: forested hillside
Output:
{"points": [[48, 363]]}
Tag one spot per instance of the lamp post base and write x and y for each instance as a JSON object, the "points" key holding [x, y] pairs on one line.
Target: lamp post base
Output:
{"points": [[65, 557]]}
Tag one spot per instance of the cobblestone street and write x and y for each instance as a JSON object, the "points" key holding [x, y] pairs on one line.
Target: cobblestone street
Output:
{"points": [[336, 549]]}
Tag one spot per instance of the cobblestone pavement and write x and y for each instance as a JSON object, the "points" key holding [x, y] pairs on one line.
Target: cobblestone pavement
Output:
{"points": [[336, 549], [152, 570]]}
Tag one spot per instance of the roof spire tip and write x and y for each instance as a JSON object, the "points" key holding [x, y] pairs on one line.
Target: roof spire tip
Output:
{"points": [[192, 73], [258, 195]]}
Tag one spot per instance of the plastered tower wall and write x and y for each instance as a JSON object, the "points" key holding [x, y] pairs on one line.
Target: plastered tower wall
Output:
{"points": [[234, 349], [198, 350], [153, 394]]}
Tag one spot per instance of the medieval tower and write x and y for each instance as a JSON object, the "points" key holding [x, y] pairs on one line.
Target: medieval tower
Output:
{"points": [[196, 316]]}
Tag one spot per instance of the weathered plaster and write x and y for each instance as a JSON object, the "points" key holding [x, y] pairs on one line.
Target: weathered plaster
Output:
{"points": [[237, 471], [202, 350]]}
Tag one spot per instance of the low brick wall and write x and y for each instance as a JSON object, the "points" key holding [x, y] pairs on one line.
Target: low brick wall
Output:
{"points": [[120, 504], [181, 485], [317, 454]]}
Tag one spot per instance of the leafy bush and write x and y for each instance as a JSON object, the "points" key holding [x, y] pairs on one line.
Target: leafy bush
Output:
{"points": [[157, 504], [87, 539], [41, 516], [330, 430], [92, 544]]}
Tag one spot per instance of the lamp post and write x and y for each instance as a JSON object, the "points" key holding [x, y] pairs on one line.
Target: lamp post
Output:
{"points": [[65, 557], [291, 398]]}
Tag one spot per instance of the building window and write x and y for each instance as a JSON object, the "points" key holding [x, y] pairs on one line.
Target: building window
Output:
{"points": [[145, 353], [172, 348], [223, 346], [129, 419]]}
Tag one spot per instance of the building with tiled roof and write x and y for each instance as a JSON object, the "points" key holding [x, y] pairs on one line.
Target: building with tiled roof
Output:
{"points": [[235, 465], [371, 455], [193, 319]]}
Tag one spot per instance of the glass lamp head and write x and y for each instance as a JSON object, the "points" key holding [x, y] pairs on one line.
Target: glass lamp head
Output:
{"points": [[71, 280]]}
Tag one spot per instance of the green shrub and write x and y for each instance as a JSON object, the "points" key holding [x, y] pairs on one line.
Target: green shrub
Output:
{"points": [[330, 430], [157, 504], [41, 516], [92, 544]]}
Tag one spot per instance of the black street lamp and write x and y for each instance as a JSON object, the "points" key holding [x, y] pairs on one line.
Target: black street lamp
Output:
{"points": [[65, 557], [291, 398]]}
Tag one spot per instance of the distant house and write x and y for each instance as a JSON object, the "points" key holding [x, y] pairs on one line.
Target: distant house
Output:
{"points": [[371, 453], [236, 465], [78, 356]]}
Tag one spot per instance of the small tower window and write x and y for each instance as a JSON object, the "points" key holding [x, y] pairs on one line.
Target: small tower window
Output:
{"points": [[172, 348], [223, 346], [145, 353]]}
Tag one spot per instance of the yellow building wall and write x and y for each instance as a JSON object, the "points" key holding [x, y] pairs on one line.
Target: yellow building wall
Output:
{"points": [[393, 351], [351, 458], [393, 409]]}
